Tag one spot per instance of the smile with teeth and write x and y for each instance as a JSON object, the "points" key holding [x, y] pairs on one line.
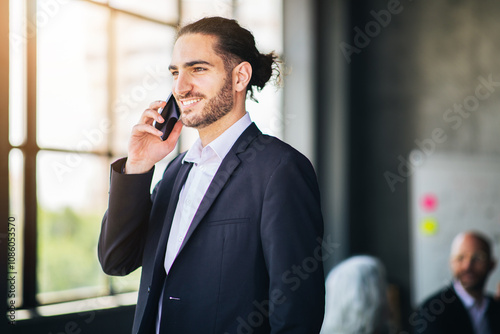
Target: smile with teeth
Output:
{"points": [[189, 102]]}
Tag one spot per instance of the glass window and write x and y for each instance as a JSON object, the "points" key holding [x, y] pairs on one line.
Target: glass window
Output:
{"points": [[72, 78], [17, 76], [197, 9], [141, 72], [70, 211], [16, 196], [165, 11], [263, 18]]}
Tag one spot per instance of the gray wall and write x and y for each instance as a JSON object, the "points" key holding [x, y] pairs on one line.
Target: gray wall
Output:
{"points": [[401, 86]]}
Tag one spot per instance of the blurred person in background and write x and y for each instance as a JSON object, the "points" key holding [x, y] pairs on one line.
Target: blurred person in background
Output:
{"points": [[463, 307], [356, 298]]}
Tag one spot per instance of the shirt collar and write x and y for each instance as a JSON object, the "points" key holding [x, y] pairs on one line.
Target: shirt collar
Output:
{"points": [[220, 145], [467, 299]]}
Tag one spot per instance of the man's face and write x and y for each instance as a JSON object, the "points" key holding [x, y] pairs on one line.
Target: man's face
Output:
{"points": [[471, 263], [202, 87]]}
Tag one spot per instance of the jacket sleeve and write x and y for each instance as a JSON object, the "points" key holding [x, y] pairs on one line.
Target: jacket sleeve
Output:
{"points": [[291, 233], [124, 226]]}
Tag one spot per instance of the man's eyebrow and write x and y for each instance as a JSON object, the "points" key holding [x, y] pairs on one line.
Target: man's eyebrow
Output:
{"points": [[191, 64]]}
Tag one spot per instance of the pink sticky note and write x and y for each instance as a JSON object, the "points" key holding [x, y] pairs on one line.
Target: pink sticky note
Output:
{"points": [[429, 202]]}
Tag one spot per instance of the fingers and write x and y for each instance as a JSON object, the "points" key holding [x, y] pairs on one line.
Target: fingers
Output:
{"points": [[146, 128], [151, 114], [157, 104]]}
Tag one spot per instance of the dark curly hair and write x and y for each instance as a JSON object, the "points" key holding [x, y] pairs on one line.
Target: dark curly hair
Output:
{"points": [[237, 44]]}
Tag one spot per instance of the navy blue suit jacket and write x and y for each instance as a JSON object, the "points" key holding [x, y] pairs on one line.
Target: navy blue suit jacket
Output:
{"points": [[251, 261], [444, 313]]}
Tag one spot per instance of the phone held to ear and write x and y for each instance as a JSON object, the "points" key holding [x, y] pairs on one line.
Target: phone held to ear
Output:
{"points": [[170, 114]]}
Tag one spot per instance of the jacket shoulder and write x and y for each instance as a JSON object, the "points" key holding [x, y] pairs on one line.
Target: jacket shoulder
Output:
{"points": [[274, 149], [253, 142], [445, 295]]}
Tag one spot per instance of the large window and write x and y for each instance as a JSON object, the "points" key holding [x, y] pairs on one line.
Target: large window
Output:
{"points": [[81, 73]]}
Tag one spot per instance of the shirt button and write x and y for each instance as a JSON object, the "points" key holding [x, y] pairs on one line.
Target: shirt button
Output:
{"points": [[149, 289]]}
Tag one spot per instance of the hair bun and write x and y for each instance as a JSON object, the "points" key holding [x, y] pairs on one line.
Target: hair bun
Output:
{"points": [[263, 69]]}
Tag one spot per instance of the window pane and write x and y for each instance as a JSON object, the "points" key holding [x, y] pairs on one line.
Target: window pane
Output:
{"points": [[163, 10], [72, 72], [264, 19], [72, 198], [267, 114], [17, 83], [193, 10], [127, 283], [142, 58], [16, 190]]}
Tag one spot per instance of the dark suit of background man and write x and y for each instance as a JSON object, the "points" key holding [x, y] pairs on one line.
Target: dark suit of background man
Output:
{"points": [[230, 241], [463, 307]]}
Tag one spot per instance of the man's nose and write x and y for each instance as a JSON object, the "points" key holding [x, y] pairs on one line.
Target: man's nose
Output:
{"points": [[467, 263], [182, 84]]}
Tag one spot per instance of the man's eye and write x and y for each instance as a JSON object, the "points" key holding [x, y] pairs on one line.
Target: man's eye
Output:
{"points": [[479, 258], [199, 69]]}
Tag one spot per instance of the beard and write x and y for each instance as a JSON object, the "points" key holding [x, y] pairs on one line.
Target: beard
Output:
{"points": [[216, 108], [471, 280]]}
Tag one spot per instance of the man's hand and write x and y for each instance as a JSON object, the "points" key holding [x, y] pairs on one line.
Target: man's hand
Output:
{"points": [[146, 147]]}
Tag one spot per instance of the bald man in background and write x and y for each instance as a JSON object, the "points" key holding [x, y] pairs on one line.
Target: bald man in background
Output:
{"points": [[463, 307]]}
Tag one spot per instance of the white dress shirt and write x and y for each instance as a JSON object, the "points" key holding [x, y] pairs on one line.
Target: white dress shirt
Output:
{"points": [[206, 161], [475, 308]]}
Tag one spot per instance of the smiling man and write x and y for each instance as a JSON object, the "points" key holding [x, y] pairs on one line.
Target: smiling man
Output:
{"points": [[463, 307], [230, 239]]}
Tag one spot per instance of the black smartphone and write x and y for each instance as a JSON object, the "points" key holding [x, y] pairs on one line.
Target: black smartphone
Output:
{"points": [[170, 114]]}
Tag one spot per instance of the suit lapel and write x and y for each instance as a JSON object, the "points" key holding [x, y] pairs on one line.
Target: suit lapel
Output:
{"points": [[226, 169], [219, 181], [174, 198]]}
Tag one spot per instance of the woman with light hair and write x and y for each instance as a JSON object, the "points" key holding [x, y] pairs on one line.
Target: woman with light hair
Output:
{"points": [[356, 298]]}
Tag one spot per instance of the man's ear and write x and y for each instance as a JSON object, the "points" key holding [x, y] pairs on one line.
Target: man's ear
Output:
{"points": [[242, 74], [493, 264]]}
